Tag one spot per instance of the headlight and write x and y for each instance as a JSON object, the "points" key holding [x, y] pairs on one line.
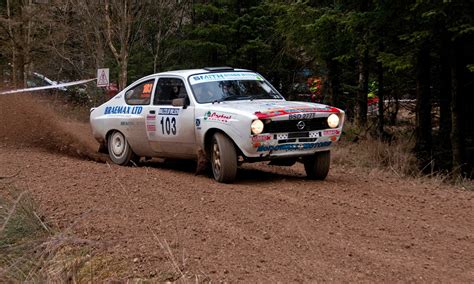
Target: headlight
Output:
{"points": [[257, 126], [333, 120]]}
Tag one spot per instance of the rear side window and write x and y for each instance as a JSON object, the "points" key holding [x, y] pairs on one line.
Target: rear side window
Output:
{"points": [[140, 94]]}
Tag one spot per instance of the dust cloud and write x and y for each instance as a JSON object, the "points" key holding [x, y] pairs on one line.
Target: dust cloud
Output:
{"points": [[33, 121]]}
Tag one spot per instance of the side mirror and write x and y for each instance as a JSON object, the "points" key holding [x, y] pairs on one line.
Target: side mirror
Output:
{"points": [[180, 102]]}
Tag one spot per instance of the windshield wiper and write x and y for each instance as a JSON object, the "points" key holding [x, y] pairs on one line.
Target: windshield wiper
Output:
{"points": [[234, 97], [260, 96]]}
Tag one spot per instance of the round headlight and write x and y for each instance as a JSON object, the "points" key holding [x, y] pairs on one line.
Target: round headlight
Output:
{"points": [[333, 120], [257, 126]]}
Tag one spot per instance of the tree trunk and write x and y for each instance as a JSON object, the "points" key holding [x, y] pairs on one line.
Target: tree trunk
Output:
{"points": [[457, 133], [361, 106], [423, 107], [13, 47], [334, 82], [123, 74], [444, 155], [155, 63], [27, 41], [394, 113], [124, 19], [21, 69], [100, 52], [380, 115]]}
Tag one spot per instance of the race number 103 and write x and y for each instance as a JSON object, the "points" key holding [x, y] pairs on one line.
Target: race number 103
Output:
{"points": [[168, 125]]}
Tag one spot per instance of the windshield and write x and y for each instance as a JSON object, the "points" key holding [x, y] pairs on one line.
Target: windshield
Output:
{"points": [[231, 86]]}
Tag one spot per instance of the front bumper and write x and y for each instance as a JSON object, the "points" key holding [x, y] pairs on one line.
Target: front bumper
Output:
{"points": [[291, 144]]}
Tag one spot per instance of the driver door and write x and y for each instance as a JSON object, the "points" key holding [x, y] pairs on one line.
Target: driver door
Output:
{"points": [[170, 129]]}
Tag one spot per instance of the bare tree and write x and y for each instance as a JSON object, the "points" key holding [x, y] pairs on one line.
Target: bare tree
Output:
{"points": [[18, 25], [164, 20], [123, 20], [91, 26]]}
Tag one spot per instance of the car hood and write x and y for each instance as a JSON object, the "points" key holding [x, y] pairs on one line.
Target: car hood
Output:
{"points": [[272, 108]]}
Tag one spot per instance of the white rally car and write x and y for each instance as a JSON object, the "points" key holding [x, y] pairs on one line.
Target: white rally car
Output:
{"points": [[226, 115]]}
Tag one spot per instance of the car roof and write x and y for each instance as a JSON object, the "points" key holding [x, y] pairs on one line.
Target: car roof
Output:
{"points": [[188, 72]]}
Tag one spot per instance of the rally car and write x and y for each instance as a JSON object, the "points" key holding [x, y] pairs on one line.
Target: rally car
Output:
{"points": [[228, 116]]}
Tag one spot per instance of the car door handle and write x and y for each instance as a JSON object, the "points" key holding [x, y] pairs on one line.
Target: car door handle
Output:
{"points": [[152, 111]]}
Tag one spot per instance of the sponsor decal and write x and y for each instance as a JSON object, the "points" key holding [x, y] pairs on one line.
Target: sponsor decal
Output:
{"points": [[123, 110], [168, 111], [151, 122], [270, 105], [208, 77], [331, 132], [212, 77], [214, 116], [305, 109], [295, 112], [198, 122], [261, 138], [293, 147], [147, 88]]}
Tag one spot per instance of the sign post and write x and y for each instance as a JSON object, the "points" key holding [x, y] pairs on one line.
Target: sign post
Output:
{"points": [[103, 77]]}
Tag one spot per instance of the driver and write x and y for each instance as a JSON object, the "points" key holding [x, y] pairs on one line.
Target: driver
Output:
{"points": [[205, 94], [227, 89]]}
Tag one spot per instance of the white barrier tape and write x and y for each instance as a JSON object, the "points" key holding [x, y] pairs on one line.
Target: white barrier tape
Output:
{"points": [[48, 87], [401, 101]]}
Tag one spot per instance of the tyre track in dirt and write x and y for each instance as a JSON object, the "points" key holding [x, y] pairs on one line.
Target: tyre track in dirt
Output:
{"points": [[271, 225]]}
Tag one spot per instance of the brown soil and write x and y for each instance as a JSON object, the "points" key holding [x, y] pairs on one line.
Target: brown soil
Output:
{"points": [[161, 221]]}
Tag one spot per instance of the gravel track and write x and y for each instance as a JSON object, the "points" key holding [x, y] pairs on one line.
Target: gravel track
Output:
{"points": [[161, 221]]}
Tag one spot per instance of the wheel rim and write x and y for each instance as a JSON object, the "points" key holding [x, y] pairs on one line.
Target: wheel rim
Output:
{"points": [[216, 159], [118, 145]]}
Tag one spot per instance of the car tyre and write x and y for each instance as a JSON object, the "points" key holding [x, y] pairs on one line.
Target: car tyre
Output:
{"points": [[223, 158], [317, 165], [120, 151]]}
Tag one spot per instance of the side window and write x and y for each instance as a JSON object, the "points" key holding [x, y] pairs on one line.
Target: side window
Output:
{"points": [[140, 94], [169, 89]]}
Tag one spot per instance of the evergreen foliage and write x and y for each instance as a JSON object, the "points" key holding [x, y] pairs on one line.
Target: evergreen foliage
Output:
{"points": [[411, 49]]}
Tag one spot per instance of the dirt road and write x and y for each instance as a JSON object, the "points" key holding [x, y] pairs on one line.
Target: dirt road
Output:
{"points": [[161, 221]]}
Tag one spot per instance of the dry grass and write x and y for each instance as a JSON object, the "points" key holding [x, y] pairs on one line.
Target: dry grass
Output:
{"points": [[358, 149], [372, 153], [31, 248]]}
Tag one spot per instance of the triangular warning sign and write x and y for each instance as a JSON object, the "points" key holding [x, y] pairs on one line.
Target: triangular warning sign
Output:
{"points": [[103, 77]]}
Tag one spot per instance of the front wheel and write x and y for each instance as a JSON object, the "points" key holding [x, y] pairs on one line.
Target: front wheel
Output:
{"points": [[317, 165], [223, 159], [119, 150]]}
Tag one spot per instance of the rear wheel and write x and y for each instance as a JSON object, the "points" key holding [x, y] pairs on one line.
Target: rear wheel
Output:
{"points": [[317, 165], [223, 158], [119, 150]]}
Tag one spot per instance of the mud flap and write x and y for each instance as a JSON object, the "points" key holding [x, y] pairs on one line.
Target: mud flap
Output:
{"points": [[203, 165], [103, 149], [283, 162]]}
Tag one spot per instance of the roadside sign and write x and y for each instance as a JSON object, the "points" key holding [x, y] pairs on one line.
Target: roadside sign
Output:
{"points": [[103, 77]]}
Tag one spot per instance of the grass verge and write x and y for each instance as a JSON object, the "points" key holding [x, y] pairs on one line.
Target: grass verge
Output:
{"points": [[32, 249], [358, 149]]}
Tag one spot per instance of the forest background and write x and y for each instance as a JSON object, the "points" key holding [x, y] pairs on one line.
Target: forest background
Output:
{"points": [[420, 52]]}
